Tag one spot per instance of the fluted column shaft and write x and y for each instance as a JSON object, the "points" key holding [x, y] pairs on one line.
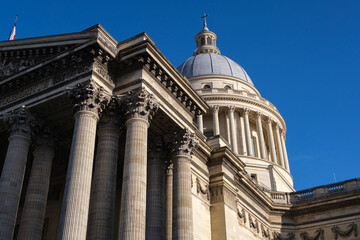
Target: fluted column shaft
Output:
{"points": [[141, 107], [13, 171], [155, 201], [182, 196], [75, 208], [216, 125], [133, 197], [242, 134], [285, 152], [261, 135], [169, 202], [88, 100], [248, 133], [233, 138], [182, 200], [279, 146], [200, 123], [271, 140], [102, 202], [32, 219]]}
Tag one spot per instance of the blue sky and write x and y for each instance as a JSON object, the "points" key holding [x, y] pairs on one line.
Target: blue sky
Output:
{"points": [[303, 56]]}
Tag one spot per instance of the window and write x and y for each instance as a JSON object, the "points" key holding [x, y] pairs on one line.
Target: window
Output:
{"points": [[208, 134], [209, 41], [227, 87], [206, 86], [202, 40]]}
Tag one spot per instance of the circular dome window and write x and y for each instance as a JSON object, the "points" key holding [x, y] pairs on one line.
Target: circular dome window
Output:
{"points": [[206, 86], [227, 87]]}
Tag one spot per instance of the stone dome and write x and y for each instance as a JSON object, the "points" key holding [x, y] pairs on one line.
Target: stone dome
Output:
{"points": [[212, 64]]}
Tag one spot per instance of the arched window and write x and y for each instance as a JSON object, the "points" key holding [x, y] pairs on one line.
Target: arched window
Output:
{"points": [[209, 41], [206, 86], [227, 87], [202, 40]]}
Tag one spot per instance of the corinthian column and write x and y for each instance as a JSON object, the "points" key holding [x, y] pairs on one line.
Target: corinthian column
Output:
{"points": [[279, 146], [155, 200], [184, 144], [88, 101], [216, 125], [248, 133], [102, 201], [141, 107], [169, 201], [271, 140], [234, 143], [32, 219], [261, 135], [21, 124]]}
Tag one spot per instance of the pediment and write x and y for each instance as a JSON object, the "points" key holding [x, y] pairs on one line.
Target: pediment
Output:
{"points": [[17, 60]]}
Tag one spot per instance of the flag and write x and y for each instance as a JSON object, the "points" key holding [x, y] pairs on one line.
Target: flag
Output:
{"points": [[13, 30]]}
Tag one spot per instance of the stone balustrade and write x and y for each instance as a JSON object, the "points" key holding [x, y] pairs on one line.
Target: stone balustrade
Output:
{"points": [[321, 192]]}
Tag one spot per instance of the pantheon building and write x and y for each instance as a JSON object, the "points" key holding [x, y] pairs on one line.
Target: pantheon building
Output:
{"points": [[101, 139]]}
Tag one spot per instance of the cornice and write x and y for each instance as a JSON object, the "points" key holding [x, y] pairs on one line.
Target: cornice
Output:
{"points": [[142, 48]]}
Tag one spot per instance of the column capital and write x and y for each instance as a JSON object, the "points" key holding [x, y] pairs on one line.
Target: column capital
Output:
{"points": [[268, 119], [21, 122], [258, 114], [184, 143], [246, 110], [157, 151], [89, 96], [231, 109], [277, 126], [45, 135], [111, 116], [215, 108], [140, 104]]}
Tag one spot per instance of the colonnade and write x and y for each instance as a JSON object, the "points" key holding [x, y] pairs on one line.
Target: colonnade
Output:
{"points": [[89, 198], [240, 130]]}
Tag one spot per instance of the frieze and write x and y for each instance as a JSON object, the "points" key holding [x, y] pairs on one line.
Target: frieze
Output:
{"points": [[38, 87], [345, 233], [204, 190]]}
